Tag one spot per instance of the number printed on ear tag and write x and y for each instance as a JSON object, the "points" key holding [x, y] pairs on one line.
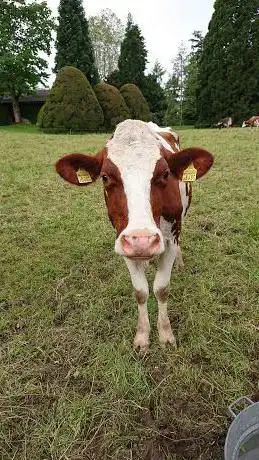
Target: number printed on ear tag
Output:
{"points": [[83, 176], [189, 174]]}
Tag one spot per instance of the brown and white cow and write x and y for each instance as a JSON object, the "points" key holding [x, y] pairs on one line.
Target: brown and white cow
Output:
{"points": [[252, 122], [142, 168]]}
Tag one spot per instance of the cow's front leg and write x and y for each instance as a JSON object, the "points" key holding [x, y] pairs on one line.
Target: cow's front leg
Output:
{"points": [[140, 284], [161, 290]]}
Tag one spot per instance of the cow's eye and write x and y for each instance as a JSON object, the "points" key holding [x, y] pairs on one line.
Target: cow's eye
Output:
{"points": [[166, 175], [105, 178]]}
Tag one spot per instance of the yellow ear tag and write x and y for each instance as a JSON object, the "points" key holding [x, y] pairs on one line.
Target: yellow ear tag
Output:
{"points": [[83, 176], [189, 174]]}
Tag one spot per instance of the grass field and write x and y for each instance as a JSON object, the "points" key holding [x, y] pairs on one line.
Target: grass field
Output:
{"points": [[71, 385]]}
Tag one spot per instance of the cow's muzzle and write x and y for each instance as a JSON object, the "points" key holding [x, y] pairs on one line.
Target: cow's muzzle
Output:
{"points": [[141, 244]]}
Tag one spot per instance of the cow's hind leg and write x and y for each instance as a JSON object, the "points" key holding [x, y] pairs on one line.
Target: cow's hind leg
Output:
{"points": [[161, 290], [140, 284]]}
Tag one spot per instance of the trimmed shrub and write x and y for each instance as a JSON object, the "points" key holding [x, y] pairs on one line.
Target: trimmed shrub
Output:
{"points": [[137, 104], [113, 105], [71, 104]]}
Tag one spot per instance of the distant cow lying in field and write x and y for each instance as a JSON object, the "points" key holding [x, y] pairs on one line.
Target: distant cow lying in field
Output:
{"points": [[225, 123], [147, 190], [252, 122]]}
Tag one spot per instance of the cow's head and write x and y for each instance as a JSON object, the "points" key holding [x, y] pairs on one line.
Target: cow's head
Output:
{"points": [[245, 124], [140, 178]]}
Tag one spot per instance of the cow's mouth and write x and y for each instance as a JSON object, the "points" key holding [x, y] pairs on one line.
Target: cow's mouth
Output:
{"points": [[140, 257]]}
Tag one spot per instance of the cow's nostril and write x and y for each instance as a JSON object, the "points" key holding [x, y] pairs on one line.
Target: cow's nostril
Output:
{"points": [[126, 240], [154, 238]]}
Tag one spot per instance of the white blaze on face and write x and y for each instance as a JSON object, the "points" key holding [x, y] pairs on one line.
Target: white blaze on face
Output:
{"points": [[134, 149]]}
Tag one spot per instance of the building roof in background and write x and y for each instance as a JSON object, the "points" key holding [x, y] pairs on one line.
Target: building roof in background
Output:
{"points": [[39, 96]]}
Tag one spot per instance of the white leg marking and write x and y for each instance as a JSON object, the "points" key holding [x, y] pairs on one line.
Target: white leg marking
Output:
{"points": [[161, 290], [140, 284], [141, 340]]}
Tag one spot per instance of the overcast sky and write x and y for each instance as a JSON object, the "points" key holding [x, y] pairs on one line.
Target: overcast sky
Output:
{"points": [[163, 23]]}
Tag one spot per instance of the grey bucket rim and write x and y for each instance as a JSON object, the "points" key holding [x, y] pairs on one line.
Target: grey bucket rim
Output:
{"points": [[231, 454]]}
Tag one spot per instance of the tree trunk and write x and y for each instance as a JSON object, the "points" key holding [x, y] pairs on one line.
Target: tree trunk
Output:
{"points": [[16, 109]]}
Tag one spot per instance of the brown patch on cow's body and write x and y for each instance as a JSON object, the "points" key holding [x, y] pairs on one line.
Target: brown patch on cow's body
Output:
{"points": [[165, 194], [188, 189], [166, 197], [115, 198], [172, 204], [253, 121]]}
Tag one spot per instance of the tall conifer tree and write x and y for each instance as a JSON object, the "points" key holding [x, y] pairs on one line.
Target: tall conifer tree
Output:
{"points": [[133, 55], [73, 44], [154, 93], [229, 68], [191, 80]]}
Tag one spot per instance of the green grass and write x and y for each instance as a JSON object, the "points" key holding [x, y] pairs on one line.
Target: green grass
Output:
{"points": [[71, 385], [20, 128]]}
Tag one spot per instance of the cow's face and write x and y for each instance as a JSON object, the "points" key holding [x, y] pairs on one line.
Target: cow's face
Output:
{"points": [[244, 125], [140, 179]]}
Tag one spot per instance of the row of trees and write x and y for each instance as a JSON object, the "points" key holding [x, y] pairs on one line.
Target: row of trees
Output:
{"points": [[217, 78], [181, 87], [120, 56], [96, 47], [228, 82]]}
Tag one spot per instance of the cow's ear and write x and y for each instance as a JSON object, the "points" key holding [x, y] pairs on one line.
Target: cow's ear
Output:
{"points": [[193, 162], [79, 169]]}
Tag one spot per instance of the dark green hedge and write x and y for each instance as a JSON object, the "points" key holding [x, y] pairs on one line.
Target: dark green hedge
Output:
{"points": [[71, 104], [137, 104], [113, 105]]}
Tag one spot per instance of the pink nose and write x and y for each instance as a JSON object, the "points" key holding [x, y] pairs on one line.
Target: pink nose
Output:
{"points": [[140, 244]]}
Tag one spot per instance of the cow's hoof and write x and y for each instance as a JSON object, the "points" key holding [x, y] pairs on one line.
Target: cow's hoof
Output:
{"points": [[166, 336], [141, 343]]}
